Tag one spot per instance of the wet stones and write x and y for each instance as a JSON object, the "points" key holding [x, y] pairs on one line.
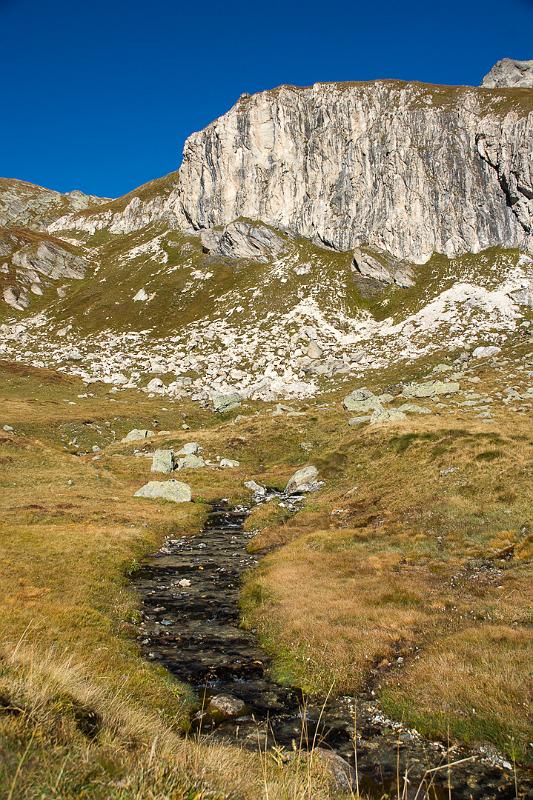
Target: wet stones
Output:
{"points": [[225, 706]]}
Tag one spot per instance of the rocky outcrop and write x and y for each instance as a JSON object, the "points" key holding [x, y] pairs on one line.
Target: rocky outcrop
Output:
{"points": [[407, 168], [509, 73], [382, 269], [32, 262], [152, 202], [241, 239], [34, 207]]}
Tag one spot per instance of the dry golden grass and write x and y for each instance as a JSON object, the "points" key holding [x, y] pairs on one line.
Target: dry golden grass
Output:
{"points": [[389, 555], [81, 713], [393, 555]]}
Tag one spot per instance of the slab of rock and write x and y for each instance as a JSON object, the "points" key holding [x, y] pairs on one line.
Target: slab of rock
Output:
{"points": [[163, 461], [412, 408], [190, 462], [226, 402], [430, 389], [509, 73], [173, 491], [304, 480], [137, 434], [225, 706]]}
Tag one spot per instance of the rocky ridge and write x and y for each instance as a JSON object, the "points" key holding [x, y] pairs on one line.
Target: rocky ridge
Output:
{"points": [[509, 73], [291, 250]]}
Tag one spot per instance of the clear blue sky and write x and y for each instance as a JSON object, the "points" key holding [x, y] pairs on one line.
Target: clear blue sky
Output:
{"points": [[101, 94]]}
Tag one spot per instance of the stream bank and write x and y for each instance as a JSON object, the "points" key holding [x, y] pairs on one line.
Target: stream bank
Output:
{"points": [[191, 626]]}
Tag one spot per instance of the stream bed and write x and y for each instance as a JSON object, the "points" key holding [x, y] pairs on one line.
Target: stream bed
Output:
{"points": [[190, 605]]}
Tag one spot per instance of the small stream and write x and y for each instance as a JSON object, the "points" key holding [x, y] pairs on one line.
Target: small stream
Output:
{"points": [[190, 595]]}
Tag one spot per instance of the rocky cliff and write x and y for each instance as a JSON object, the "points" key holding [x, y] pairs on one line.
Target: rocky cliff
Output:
{"points": [[405, 167]]}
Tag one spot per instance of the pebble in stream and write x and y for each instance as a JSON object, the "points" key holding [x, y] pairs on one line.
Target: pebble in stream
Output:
{"points": [[190, 592]]}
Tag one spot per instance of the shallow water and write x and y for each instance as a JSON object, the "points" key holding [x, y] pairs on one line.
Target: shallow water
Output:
{"points": [[192, 628]]}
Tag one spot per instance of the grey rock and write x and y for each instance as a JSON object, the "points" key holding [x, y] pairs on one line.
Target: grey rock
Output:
{"points": [[137, 434], [226, 402], [440, 368], [163, 461], [430, 389], [303, 480], [173, 491], [509, 73], [241, 239], [354, 421]]}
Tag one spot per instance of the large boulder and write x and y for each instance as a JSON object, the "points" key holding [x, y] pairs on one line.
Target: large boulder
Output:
{"points": [[509, 73], [173, 491], [304, 480], [163, 461]]}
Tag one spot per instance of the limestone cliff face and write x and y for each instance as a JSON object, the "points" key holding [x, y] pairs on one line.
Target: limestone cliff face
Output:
{"points": [[408, 168]]}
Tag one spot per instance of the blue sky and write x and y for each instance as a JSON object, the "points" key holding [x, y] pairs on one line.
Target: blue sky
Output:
{"points": [[100, 94]]}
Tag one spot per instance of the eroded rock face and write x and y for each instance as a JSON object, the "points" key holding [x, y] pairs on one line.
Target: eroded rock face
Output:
{"points": [[407, 168], [509, 73]]}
